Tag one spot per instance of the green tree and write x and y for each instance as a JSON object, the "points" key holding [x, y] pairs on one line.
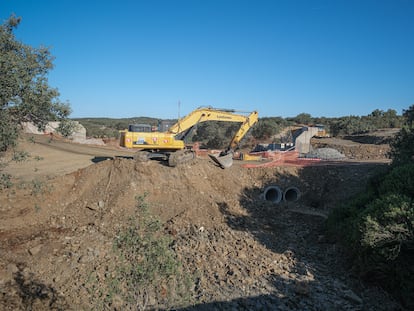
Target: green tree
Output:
{"points": [[380, 119], [391, 118], [25, 94], [409, 116], [377, 113], [402, 147], [269, 126], [303, 118]]}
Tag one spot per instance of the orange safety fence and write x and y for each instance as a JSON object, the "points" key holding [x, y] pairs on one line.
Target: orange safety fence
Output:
{"points": [[282, 158]]}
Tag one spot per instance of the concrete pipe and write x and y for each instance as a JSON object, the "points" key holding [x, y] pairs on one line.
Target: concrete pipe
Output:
{"points": [[273, 194], [291, 194]]}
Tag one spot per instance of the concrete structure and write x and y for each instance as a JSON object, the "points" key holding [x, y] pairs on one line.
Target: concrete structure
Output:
{"points": [[302, 139]]}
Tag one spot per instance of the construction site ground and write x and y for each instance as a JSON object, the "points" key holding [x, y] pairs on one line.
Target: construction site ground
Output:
{"points": [[60, 218]]}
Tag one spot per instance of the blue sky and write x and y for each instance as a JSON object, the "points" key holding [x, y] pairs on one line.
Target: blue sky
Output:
{"points": [[282, 57]]}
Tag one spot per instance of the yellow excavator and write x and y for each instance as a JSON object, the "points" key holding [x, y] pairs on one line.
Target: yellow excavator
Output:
{"points": [[170, 145]]}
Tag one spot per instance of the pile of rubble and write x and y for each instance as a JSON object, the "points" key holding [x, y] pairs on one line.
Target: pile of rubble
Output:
{"points": [[330, 154]]}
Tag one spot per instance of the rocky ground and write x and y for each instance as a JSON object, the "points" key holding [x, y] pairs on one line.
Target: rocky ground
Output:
{"points": [[241, 252], [373, 146]]}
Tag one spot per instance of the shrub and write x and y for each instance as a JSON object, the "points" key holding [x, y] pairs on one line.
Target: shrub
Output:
{"points": [[399, 180], [5, 181], [402, 147], [148, 274], [378, 227], [67, 127], [386, 224]]}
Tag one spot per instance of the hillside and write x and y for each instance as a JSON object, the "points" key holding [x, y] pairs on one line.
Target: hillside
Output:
{"points": [[240, 251]]}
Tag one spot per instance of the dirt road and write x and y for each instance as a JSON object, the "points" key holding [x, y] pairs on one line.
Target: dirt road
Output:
{"points": [[48, 157]]}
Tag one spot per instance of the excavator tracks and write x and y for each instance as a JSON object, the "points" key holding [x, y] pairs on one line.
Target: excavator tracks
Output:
{"points": [[179, 157]]}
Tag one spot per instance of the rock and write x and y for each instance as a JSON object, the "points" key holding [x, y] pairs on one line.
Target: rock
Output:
{"points": [[352, 297], [35, 250], [12, 268]]}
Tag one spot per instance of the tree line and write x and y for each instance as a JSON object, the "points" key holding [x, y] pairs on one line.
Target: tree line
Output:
{"points": [[339, 126], [215, 134]]}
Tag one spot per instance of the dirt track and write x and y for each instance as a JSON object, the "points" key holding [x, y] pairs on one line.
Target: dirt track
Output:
{"points": [[246, 253], [55, 157]]}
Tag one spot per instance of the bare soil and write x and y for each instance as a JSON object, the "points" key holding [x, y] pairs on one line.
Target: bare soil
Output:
{"points": [[60, 219], [365, 147]]}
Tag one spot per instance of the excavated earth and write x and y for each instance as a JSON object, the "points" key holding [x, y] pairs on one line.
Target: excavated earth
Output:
{"points": [[243, 253]]}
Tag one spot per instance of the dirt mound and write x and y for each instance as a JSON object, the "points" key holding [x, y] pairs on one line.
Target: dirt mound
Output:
{"points": [[243, 252]]}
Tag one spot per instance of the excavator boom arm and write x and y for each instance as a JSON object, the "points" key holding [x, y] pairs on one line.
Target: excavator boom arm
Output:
{"points": [[207, 114], [247, 124]]}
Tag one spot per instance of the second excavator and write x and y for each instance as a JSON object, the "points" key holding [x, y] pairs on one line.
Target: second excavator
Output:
{"points": [[170, 145]]}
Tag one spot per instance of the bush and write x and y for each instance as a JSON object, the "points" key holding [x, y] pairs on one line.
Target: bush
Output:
{"points": [[268, 127], [67, 127], [148, 274], [386, 224], [399, 180], [402, 147], [5, 181], [378, 227]]}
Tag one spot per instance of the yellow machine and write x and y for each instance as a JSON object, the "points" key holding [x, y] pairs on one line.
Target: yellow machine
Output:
{"points": [[170, 145], [322, 133]]}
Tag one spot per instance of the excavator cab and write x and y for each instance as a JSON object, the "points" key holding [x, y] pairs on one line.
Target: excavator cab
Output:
{"points": [[146, 128]]}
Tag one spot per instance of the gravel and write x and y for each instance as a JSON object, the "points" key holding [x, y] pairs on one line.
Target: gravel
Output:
{"points": [[326, 154]]}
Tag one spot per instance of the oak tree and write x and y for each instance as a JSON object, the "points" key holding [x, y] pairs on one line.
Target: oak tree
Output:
{"points": [[25, 94]]}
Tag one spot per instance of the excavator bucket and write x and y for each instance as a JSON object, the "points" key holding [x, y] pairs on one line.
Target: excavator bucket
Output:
{"points": [[224, 161]]}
